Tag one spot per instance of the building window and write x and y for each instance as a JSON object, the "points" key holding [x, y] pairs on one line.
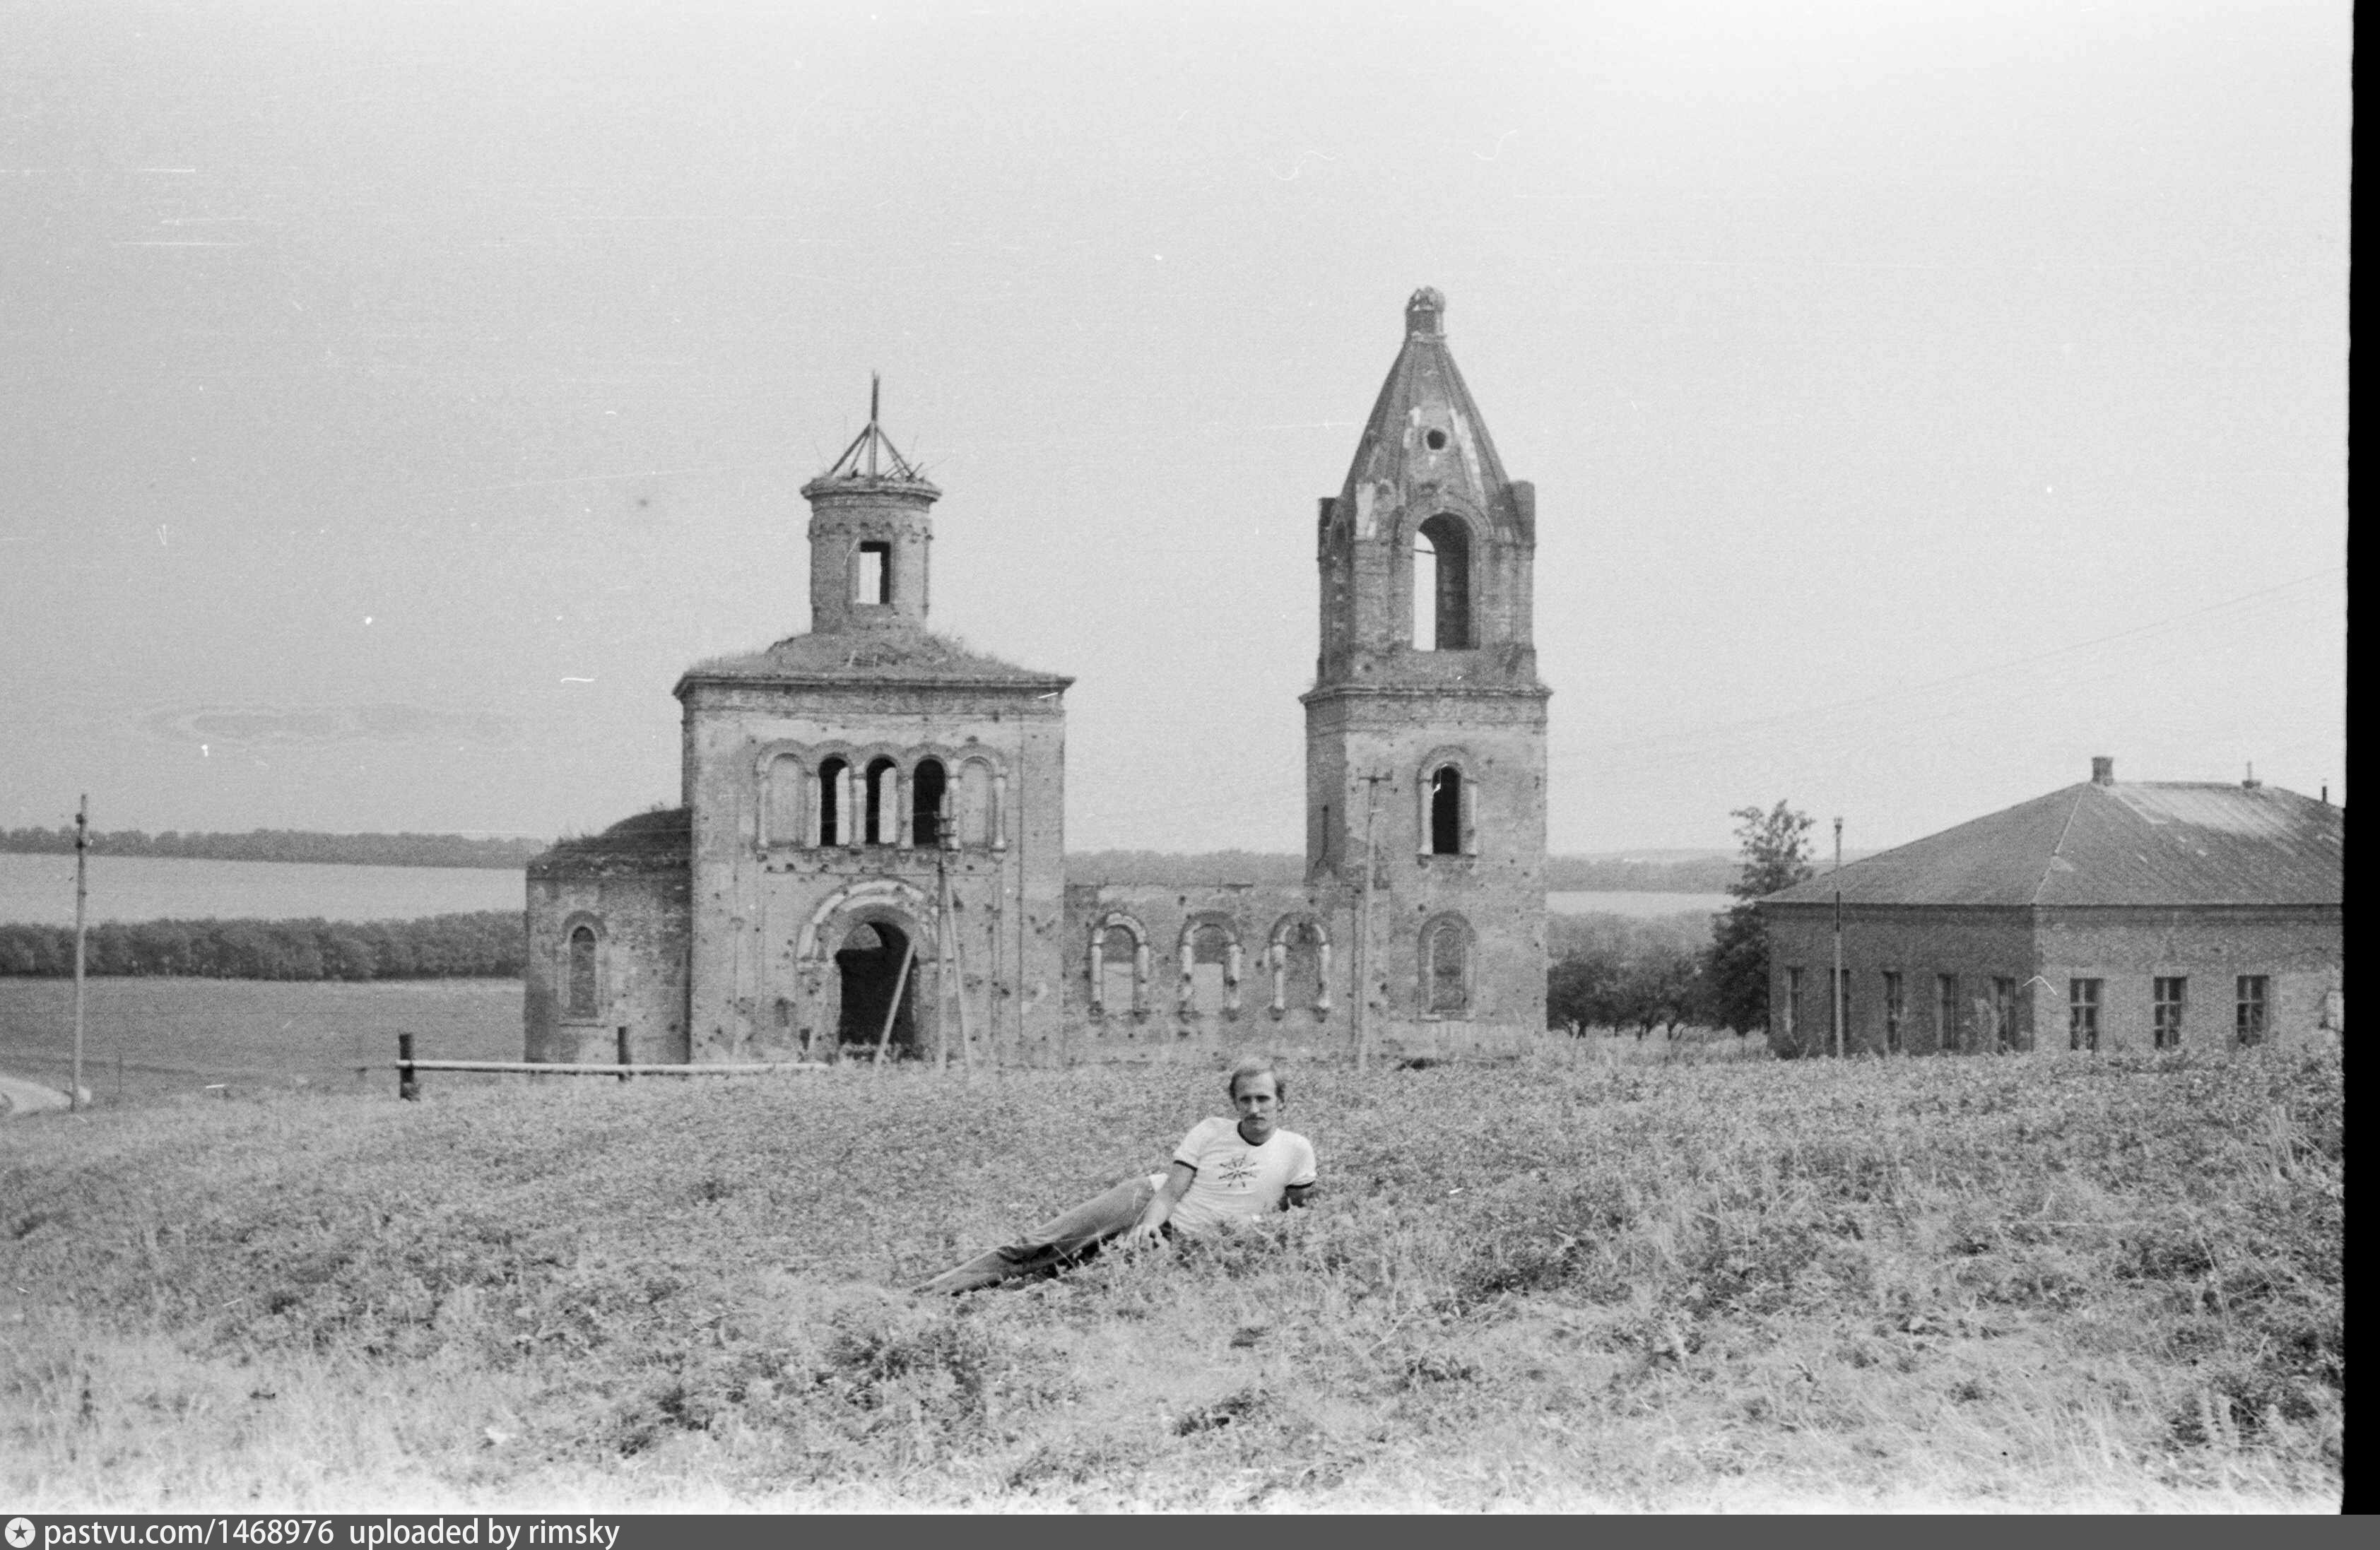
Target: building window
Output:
{"points": [[1946, 1015], [1895, 1012], [830, 802], [1118, 967], [1442, 585], [871, 574], [582, 999], [1792, 1029], [926, 787], [782, 801], [2082, 1014], [1208, 954], [1446, 968], [2004, 1012], [2251, 1022], [974, 804], [882, 817], [2171, 996], [1445, 811]]}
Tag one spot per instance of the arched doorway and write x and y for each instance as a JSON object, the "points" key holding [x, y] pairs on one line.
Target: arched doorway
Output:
{"points": [[869, 965]]}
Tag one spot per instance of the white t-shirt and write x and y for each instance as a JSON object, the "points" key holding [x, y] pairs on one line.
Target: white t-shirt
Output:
{"points": [[1235, 1179]]}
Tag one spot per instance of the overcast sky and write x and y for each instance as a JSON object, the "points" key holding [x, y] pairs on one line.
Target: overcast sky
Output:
{"points": [[395, 397]]}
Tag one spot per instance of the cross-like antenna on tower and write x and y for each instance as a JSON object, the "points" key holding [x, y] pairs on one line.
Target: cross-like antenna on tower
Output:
{"points": [[871, 453]]}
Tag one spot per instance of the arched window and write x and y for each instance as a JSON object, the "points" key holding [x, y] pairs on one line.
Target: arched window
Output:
{"points": [[1119, 966], [830, 802], [925, 792], [1441, 600], [1301, 965], [1209, 971], [782, 801], [974, 804], [883, 817], [582, 998], [1446, 967]]}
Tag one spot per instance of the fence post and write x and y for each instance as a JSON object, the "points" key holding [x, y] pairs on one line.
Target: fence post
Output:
{"points": [[406, 1088], [623, 1054]]}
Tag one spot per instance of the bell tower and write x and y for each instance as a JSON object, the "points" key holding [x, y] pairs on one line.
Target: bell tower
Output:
{"points": [[872, 533], [1426, 727]]}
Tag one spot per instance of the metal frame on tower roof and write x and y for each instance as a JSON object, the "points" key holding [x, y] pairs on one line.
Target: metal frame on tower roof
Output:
{"points": [[883, 459]]}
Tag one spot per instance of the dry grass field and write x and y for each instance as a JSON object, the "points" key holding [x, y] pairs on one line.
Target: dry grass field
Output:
{"points": [[1599, 1278]]}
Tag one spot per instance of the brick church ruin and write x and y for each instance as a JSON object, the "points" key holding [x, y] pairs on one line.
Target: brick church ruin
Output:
{"points": [[871, 848]]}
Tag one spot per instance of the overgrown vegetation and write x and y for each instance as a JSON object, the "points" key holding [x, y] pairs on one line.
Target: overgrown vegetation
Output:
{"points": [[285, 844], [1583, 1280], [482, 944]]}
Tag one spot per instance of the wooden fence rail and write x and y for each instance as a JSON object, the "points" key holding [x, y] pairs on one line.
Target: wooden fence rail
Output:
{"points": [[409, 1085]]}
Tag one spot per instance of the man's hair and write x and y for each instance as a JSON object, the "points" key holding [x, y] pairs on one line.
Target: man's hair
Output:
{"points": [[1257, 1065]]}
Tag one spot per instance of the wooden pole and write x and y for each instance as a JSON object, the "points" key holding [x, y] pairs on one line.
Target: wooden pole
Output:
{"points": [[900, 984], [941, 950], [966, 1030], [83, 848], [406, 1088], [624, 1061], [1363, 930], [1835, 988]]}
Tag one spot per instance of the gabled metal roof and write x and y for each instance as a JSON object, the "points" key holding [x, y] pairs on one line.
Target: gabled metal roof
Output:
{"points": [[2139, 842]]}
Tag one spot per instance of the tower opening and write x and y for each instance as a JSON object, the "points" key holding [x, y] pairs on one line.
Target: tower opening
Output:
{"points": [[883, 803], [1441, 601], [876, 963], [871, 574], [926, 787], [1446, 812], [830, 802], [1210, 951], [582, 997]]}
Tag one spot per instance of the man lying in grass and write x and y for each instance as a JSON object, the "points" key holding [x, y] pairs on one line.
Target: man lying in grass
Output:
{"points": [[1222, 1174]]}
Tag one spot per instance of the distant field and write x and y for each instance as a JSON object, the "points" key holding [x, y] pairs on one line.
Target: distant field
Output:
{"points": [[39, 890], [1590, 1279], [177, 1036]]}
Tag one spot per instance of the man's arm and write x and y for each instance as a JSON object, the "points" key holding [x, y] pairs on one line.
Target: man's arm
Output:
{"points": [[1177, 1183], [1298, 1194]]}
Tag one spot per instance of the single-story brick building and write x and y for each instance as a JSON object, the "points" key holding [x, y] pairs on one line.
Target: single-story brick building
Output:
{"points": [[2145, 914]]}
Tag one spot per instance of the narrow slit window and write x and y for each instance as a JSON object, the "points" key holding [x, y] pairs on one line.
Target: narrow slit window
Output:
{"points": [[1446, 812], [883, 809], [871, 574], [1895, 1012], [582, 995], [1946, 1015], [830, 802]]}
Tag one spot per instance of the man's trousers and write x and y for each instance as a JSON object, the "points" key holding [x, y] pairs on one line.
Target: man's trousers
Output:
{"points": [[1061, 1241]]}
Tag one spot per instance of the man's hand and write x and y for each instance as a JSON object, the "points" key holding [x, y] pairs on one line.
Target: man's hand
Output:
{"points": [[1143, 1235]]}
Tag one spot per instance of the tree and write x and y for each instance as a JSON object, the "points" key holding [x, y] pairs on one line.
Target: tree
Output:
{"points": [[1775, 848]]}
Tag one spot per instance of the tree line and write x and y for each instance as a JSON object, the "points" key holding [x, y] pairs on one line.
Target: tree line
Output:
{"points": [[1564, 874], [1637, 976], [484, 944], [285, 844]]}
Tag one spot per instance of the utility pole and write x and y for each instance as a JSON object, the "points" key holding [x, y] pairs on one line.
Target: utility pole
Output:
{"points": [[941, 945], [1835, 991], [83, 848], [1364, 931]]}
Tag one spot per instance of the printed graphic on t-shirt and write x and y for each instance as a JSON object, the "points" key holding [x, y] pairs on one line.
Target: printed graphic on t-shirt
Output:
{"points": [[1236, 1172]]}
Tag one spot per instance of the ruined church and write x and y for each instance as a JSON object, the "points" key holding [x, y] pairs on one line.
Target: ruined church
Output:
{"points": [[870, 852]]}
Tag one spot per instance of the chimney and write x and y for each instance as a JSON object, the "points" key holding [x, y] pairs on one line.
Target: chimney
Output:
{"points": [[2252, 783], [2103, 769]]}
